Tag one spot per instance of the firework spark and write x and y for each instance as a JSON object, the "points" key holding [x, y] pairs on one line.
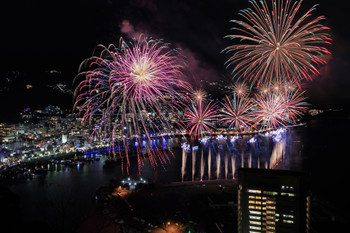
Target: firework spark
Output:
{"points": [[130, 92], [278, 44]]}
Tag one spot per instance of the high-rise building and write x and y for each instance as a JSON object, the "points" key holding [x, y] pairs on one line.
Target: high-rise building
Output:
{"points": [[272, 201]]}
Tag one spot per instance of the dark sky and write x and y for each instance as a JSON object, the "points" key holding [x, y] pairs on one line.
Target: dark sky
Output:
{"points": [[43, 35]]}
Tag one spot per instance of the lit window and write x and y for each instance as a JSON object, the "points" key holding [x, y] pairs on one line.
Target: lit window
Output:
{"points": [[254, 202], [254, 227], [254, 212], [254, 217], [287, 187], [255, 222], [254, 191], [254, 207], [271, 193], [288, 194]]}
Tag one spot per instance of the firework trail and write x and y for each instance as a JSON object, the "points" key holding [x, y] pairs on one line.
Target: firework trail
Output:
{"points": [[131, 92], [236, 112], [276, 44]]}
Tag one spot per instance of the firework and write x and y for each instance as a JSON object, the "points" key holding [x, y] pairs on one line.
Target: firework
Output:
{"points": [[288, 87], [236, 112], [186, 147], [240, 89], [276, 45], [279, 108], [284, 87], [270, 110], [204, 140], [199, 95], [220, 138], [276, 87], [252, 140], [200, 118], [233, 139], [264, 89], [131, 92], [295, 106]]}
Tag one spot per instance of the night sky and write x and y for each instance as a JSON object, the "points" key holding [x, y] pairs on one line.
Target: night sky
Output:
{"points": [[39, 36]]}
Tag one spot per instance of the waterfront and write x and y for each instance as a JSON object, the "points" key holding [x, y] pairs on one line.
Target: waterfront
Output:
{"points": [[318, 149]]}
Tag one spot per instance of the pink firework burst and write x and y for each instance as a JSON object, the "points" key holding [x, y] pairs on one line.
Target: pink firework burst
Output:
{"points": [[236, 112], [199, 95], [200, 118], [275, 44], [279, 108], [295, 106], [131, 93], [240, 89], [270, 110]]}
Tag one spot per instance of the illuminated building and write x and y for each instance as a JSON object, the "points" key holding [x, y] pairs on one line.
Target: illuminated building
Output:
{"points": [[272, 201]]}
